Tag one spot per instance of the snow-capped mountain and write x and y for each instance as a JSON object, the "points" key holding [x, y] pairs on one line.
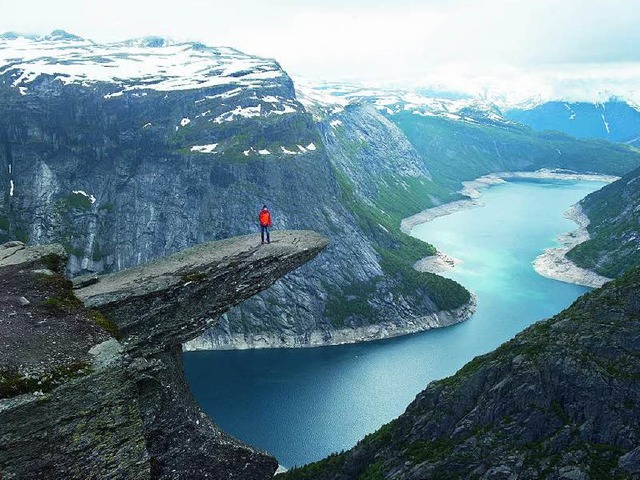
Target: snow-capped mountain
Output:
{"points": [[330, 97], [615, 120], [146, 63]]}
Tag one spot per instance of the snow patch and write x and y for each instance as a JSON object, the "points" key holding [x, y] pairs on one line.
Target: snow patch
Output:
{"points": [[311, 147], [204, 148], [135, 65], [91, 198], [264, 151], [246, 112], [288, 152], [185, 121], [11, 188], [287, 109], [114, 94]]}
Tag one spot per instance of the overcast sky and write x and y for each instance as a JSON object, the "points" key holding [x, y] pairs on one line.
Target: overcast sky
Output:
{"points": [[558, 45]]}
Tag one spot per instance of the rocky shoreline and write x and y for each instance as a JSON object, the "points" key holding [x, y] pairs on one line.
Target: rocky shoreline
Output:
{"points": [[380, 331], [438, 263], [553, 263]]}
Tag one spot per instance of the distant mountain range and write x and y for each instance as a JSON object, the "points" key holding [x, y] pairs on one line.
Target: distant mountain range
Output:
{"points": [[615, 120]]}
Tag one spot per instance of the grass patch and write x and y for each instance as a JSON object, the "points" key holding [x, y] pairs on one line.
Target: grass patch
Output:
{"points": [[53, 262], [77, 200], [12, 384], [105, 323], [193, 277]]}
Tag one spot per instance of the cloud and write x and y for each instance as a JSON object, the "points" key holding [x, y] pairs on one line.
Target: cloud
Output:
{"points": [[566, 43]]}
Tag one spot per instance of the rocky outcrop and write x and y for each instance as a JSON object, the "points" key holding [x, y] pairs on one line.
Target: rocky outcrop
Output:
{"points": [[561, 400], [91, 384]]}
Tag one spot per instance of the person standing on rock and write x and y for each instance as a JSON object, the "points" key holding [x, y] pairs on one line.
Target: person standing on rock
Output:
{"points": [[264, 217]]}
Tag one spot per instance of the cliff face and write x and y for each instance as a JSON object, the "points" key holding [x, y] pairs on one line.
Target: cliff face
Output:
{"points": [[122, 170], [560, 400], [91, 384], [375, 293], [614, 228]]}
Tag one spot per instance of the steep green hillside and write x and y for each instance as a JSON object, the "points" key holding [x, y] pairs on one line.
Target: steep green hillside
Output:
{"points": [[560, 400], [457, 151], [614, 215], [382, 180]]}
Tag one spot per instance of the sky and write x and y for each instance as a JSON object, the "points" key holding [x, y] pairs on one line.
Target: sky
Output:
{"points": [[561, 48]]}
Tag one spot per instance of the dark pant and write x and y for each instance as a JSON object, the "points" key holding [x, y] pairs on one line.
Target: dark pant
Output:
{"points": [[262, 230]]}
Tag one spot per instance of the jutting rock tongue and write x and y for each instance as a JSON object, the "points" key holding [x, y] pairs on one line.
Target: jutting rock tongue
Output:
{"points": [[125, 409], [173, 300]]}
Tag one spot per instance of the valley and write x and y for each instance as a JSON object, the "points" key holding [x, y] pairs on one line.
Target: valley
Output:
{"points": [[416, 234]]}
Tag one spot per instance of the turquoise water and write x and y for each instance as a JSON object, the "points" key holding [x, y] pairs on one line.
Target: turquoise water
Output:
{"points": [[301, 405]]}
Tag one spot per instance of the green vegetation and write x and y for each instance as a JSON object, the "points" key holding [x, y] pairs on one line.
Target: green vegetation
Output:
{"points": [[104, 323], [424, 450], [352, 301], [53, 262], [614, 228], [21, 235], [77, 200], [458, 151], [312, 471], [12, 384], [193, 277], [64, 301], [398, 251], [374, 471]]}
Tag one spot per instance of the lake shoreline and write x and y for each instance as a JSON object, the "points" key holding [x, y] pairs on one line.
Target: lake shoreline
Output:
{"points": [[345, 336], [552, 263]]}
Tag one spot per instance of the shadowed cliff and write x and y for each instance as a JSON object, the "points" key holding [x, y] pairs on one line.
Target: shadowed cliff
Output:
{"points": [[91, 383]]}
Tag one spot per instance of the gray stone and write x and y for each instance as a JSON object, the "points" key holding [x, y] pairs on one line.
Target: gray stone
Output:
{"points": [[630, 461], [128, 412]]}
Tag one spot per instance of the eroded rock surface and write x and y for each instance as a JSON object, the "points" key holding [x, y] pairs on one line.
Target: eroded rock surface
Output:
{"points": [[77, 403]]}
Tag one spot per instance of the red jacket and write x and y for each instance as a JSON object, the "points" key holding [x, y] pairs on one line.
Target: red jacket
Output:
{"points": [[265, 218]]}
